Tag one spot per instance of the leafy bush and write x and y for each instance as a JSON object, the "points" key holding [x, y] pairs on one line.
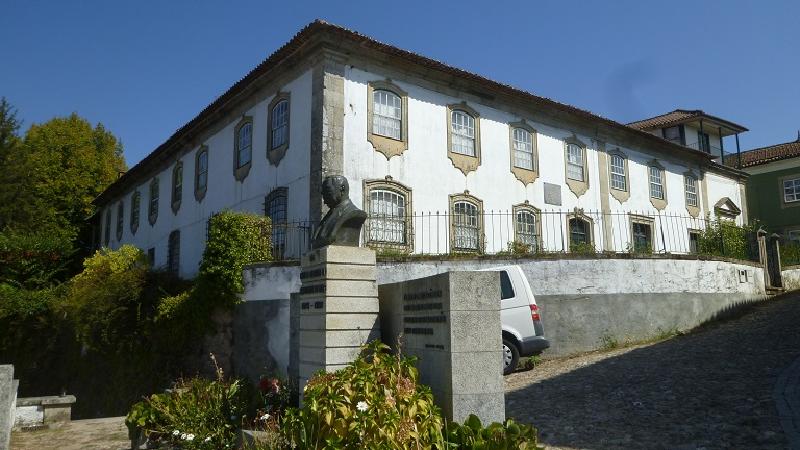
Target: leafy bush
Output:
{"points": [[34, 260], [376, 402], [582, 248], [497, 436], [725, 238], [234, 240], [21, 304], [790, 254], [196, 414]]}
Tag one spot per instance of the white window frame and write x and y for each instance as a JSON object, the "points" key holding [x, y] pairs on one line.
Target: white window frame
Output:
{"points": [[618, 171], [576, 160], [655, 178], [792, 184], [525, 147], [384, 102], [463, 133], [690, 190]]}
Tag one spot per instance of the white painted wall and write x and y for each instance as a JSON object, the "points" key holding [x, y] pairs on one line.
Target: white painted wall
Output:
{"points": [[224, 192], [426, 169]]}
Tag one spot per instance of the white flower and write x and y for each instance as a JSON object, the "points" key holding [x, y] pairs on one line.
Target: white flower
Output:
{"points": [[176, 432], [265, 417], [189, 437], [208, 438], [361, 406], [183, 436]]}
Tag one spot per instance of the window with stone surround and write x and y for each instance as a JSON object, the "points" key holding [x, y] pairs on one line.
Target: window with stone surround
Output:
{"points": [[201, 173], [690, 187], [136, 205], [466, 223], [120, 219], [278, 121], [174, 252], [387, 117], [152, 210], [575, 162], [463, 137], [657, 186], [177, 186], [619, 176], [243, 148], [275, 208], [389, 210], [527, 226]]}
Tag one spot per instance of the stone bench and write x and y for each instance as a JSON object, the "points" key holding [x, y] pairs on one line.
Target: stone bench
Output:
{"points": [[34, 412]]}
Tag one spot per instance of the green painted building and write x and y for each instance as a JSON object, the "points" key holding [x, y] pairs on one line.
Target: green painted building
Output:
{"points": [[773, 188]]}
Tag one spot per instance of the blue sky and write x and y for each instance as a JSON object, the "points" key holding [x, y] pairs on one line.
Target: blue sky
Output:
{"points": [[144, 68]]}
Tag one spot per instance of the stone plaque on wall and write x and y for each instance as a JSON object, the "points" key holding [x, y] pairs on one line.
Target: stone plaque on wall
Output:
{"points": [[552, 194], [451, 323]]}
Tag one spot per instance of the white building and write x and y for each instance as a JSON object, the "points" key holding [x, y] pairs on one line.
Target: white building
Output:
{"points": [[443, 160]]}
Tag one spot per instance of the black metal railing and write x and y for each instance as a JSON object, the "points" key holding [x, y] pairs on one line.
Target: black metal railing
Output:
{"points": [[530, 232]]}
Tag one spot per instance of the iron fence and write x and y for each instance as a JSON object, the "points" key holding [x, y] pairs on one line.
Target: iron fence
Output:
{"points": [[529, 231]]}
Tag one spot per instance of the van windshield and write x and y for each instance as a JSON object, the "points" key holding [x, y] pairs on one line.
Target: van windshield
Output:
{"points": [[506, 289]]}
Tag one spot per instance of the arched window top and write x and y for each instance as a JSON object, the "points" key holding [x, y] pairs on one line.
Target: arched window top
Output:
{"points": [[388, 204], [279, 124], [152, 212], [466, 223], [136, 202], [201, 173], [243, 148], [177, 186]]}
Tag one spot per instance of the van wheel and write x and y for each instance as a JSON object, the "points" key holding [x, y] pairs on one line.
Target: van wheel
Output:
{"points": [[510, 356]]}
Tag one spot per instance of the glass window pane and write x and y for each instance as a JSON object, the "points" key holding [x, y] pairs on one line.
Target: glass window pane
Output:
{"points": [[465, 226], [575, 162], [462, 133], [387, 113], [523, 149], [387, 217], [618, 177], [656, 188], [280, 124]]}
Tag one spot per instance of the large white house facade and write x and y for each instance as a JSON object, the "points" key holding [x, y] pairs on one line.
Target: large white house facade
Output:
{"points": [[441, 159]]}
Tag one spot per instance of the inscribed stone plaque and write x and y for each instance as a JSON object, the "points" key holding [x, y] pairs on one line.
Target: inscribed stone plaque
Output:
{"points": [[451, 323], [552, 194]]}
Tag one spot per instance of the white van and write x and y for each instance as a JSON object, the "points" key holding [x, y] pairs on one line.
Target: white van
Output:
{"points": [[523, 334]]}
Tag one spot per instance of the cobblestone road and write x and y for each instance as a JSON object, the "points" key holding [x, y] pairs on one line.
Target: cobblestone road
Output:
{"points": [[712, 388]]}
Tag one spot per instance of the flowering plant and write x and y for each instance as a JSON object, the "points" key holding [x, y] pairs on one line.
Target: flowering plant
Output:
{"points": [[375, 402]]}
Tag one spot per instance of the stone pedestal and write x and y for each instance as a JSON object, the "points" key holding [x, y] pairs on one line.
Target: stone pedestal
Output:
{"points": [[451, 323], [338, 308]]}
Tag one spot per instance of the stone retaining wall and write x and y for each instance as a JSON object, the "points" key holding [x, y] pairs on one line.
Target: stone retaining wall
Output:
{"points": [[586, 303]]}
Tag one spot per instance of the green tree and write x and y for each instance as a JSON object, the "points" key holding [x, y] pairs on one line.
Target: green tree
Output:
{"points": [[59, 168]]}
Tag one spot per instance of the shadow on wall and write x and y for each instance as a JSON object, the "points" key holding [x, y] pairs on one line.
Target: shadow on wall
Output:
{"points": [[711, 387]]}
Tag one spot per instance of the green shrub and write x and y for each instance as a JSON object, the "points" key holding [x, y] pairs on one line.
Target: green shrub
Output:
{"points": [[375, 402], [497, 436], [725, 238], [196, 414], [21, 304], [790, 254], [34, 260], [103, 302], [234, 240], [582, 248]]}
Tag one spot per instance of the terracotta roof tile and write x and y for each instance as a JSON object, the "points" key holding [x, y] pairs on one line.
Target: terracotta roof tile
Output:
{"points": [[336, 32], [765, 155], [666, 120], [680, 116]]}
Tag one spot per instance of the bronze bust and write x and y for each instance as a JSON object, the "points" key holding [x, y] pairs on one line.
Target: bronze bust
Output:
{"points": [[342, 224]]}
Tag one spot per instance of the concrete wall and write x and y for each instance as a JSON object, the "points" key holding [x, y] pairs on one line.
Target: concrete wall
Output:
{"points": [[588, 302], [791, 278], [261, 323]]}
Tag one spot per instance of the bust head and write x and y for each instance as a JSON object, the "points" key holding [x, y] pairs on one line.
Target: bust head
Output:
{"points": [[335, 189]]}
